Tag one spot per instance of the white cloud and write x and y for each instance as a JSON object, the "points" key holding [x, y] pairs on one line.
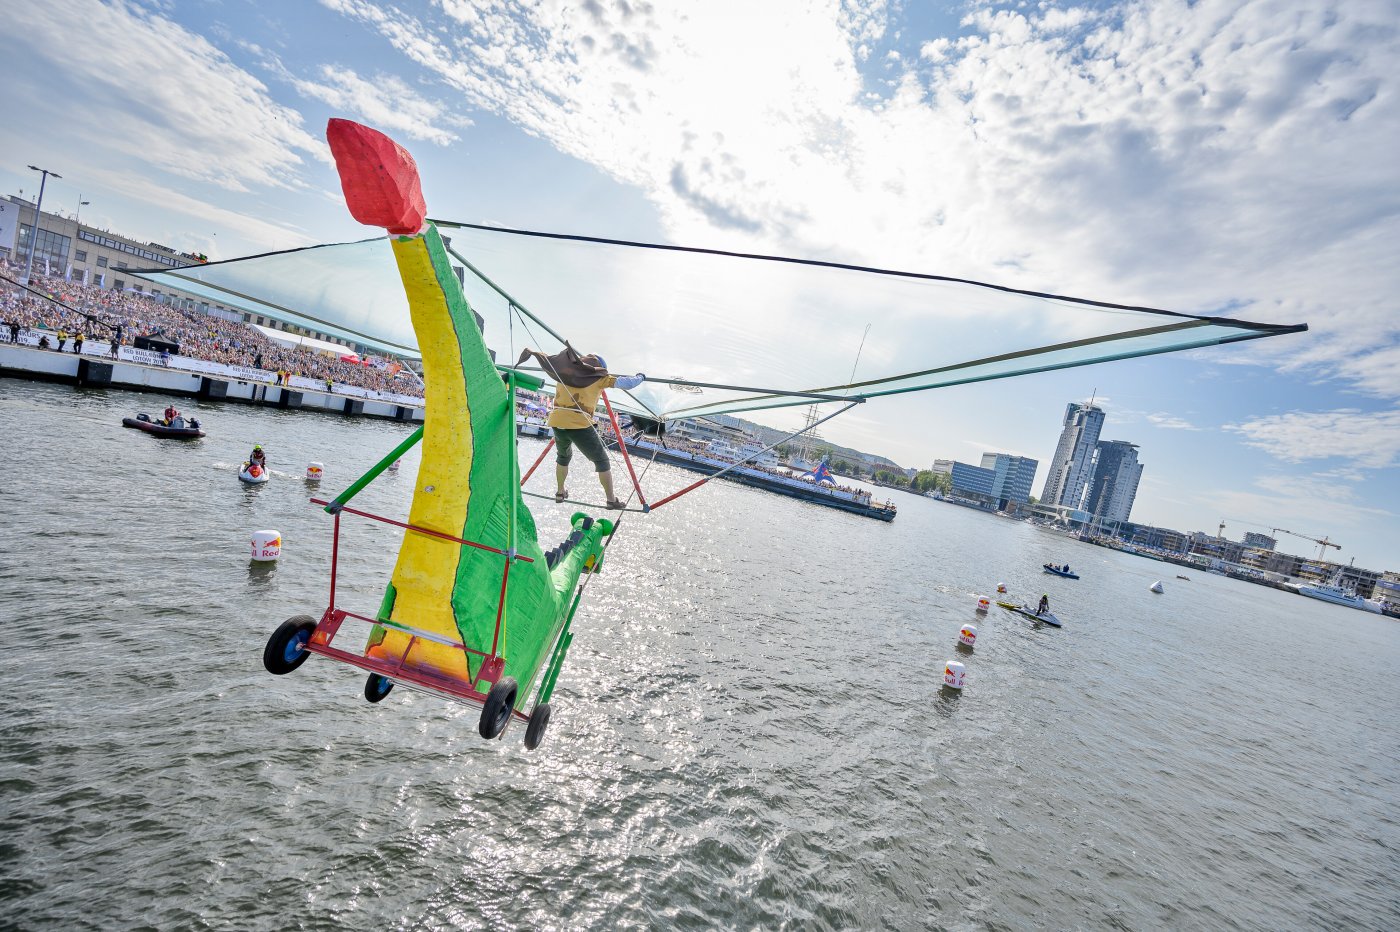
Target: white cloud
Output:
{"points": [[1189, 154], [199, 215], [1371, 440], [1171, 422], [386, 102], [157, 94]]}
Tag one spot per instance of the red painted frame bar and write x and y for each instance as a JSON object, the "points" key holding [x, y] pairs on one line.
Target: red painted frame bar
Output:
{"points": [[622, 445], [500, 609], [547, 447], [329, 626], [335, 557], [420, 530]]}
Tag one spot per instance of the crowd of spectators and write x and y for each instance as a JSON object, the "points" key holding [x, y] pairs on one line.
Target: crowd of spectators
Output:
{"points": [[106, 314]]}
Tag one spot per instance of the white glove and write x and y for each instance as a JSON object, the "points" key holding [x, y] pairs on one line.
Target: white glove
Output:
{"points": [[629, 382]]}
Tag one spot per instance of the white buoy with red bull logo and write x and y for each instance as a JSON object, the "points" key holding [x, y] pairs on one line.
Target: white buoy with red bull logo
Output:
{"points": [[954, 675], [967, 637], [267, 546], [984, 604], [315, 472], [1001, 588]]}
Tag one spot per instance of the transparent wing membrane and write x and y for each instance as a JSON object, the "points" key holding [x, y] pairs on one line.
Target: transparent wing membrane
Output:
{"points": [[716, 333]]}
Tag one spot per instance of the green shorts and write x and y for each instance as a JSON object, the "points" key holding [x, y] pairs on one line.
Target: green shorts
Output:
{"points": [[586, 439]]}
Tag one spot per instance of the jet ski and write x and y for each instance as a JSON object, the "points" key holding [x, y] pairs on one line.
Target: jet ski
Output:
{"points": [[253, 474], [1047, 617]]}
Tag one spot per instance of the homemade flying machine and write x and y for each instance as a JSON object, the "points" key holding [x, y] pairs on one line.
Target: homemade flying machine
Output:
{"points": [[475, 611]]}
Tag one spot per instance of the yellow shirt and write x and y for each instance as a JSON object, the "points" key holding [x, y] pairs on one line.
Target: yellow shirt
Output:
{"points": [[574, 407]]}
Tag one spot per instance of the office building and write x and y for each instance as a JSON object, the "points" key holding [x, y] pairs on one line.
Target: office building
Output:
{"points": [[1012, 477], [1115, 480], [972, 480], [1072, 466]]}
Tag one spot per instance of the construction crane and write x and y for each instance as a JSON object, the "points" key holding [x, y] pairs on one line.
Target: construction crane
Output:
{"points": [[1322, 542]]}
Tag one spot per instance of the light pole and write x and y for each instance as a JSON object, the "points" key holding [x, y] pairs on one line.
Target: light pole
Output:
{"points": [[44, 174], [77, 217]]}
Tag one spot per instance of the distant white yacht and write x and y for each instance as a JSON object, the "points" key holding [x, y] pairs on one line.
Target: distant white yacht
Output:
{"points": [[1330, 592]]}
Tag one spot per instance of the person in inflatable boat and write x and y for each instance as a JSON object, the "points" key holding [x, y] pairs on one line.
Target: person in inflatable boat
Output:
{"points": [[170, 415]]}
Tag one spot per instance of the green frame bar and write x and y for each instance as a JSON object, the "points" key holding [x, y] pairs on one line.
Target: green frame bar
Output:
{"points": [[341, 500]]}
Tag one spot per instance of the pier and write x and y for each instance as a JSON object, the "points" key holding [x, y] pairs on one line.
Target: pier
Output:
{"points": [[145, 371]]}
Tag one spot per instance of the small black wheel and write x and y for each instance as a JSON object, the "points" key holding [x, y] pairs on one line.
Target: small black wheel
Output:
{"points": [[534, 732], [496, 712], [286, 649], [377, 687]]}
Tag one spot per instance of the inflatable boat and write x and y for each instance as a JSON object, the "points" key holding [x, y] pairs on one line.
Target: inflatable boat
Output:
{"points": [[179, 427]]}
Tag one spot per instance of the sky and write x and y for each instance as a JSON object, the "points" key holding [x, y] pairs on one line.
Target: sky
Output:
{"points": [[1219, 156]]}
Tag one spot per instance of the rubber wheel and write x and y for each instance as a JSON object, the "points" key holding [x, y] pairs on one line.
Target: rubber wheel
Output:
{"points": [[377, 687], [285, 650], [534, 732], [496, 711]]}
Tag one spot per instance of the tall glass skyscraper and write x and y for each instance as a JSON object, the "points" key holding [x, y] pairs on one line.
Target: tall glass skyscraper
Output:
{"points": [[1116, 476], [1073, 463]]}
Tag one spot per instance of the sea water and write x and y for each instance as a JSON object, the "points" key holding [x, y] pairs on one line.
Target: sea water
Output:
{"points": [[750, 731]]}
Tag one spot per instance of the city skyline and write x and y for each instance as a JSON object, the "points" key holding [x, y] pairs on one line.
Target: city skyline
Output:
{"points": [[878, 135]]}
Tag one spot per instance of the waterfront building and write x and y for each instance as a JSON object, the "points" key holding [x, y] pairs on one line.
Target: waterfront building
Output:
{"points": [[1115, 481], [1012, 477], [1073, 518], [1208, 545], [1158, 538], [1071, 467], [68, 249], [1387, 588], [1284, 563], [1262, 541], [972, 480], [88, 255]]}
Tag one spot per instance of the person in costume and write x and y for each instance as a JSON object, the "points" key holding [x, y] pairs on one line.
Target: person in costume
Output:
{"points": [[579, 382]]}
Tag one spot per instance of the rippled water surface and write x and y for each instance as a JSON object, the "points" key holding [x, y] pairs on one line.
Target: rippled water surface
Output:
{"points": [[750, 730]]}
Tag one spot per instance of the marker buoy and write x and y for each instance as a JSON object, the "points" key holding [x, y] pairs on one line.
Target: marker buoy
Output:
{"points": [[983, 604], [1001, 588], [967, 637], [267, 546], [1156, 587], [954, 674], [315, 472]]}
